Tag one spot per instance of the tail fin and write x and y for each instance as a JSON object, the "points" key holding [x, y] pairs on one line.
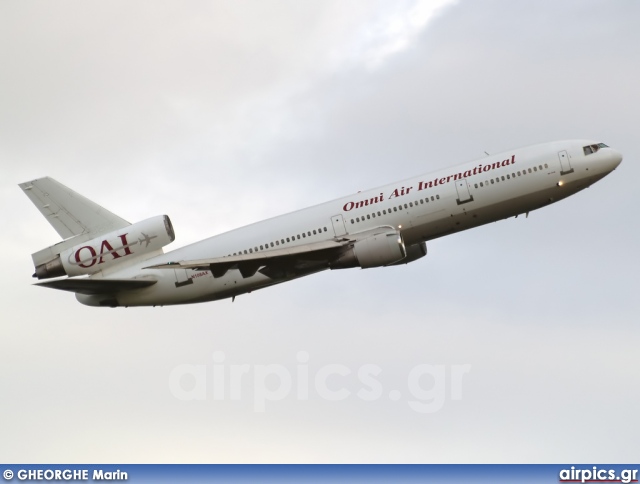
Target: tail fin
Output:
{"points": [[68, 212], [73, 216]]}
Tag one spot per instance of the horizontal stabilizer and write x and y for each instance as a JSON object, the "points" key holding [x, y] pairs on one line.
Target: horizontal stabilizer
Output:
{"points": [[98, 286], [68, 212]]}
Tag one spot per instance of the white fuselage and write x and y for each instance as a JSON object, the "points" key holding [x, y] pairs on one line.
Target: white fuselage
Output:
{"points": [[421, 208]]}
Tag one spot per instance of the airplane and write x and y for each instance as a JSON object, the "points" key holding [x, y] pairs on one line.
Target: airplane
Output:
{"points": [[107, 261]]}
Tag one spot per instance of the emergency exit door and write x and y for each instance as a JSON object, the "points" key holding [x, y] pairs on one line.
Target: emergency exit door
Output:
{"points": [[462, 188], [565, 162], [338, 225]]}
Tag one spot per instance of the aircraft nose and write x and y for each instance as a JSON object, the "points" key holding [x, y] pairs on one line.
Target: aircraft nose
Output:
{"points": [[616, 158]]}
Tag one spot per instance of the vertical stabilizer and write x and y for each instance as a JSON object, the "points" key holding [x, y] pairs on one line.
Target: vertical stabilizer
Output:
{"points": [[68, 212]]}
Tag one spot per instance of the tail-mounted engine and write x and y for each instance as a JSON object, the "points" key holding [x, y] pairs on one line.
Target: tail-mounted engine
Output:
{"points": [[125, 244]]}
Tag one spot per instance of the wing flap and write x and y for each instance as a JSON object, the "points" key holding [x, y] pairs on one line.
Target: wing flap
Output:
{"points": [[98, 286], [272, 260]]}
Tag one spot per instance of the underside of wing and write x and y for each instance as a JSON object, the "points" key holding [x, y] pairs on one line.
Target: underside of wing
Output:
{"points": [[275, 263], [97, 286]]}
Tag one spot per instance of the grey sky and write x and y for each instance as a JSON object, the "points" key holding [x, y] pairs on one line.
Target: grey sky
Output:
{"points": [[224, 113]]}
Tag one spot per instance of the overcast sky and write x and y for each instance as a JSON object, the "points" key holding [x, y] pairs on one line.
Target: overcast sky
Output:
{"points": [[220, 114]]}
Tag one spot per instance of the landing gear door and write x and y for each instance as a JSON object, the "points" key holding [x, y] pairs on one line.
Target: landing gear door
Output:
{"points": [[565, 162], [338, 225]]}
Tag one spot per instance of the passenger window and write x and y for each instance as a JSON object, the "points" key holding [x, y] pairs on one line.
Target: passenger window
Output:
{"points": [[314, 232], [546, 166], [502, 177], [535, 168], [351, 222], [282, 241], [304, 236], [288, 239], [271, 244], [325, 229], [508, 177], [373, 215], [261, 247], [540, 167], [405, 206], [395, 209], [432, 198], [309, 233], [529, 170], [421, 201], [368, 218], [245, 251], [475, 185], [492, 181], [481, 184], [438, 197], [518, 173]]}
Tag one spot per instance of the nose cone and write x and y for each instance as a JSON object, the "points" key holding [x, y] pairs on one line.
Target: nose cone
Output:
{"points": [[615, 158]]}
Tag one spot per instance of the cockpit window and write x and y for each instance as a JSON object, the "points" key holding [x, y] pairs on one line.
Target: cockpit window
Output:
{"points": [[593, 148]]}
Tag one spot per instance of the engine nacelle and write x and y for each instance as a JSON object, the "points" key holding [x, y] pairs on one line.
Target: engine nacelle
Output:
{"points": [[374, 251], [109, 249], [414, 252]]}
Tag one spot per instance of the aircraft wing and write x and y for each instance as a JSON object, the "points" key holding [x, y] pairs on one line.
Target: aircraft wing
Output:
{"points": [[68, 212], [97, 286], [274, 263]]}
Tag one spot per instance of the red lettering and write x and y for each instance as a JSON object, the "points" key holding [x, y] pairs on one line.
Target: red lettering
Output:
{"points": [[106, 245], [348, 206], [93, 256], [125, 244]]}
